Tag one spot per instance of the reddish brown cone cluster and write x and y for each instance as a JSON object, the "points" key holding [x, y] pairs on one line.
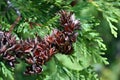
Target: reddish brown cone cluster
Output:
{"points": [[7, 44], [35, 52]]}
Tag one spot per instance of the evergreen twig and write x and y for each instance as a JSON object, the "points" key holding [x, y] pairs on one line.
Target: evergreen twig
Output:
{"points": [[10, 5]]}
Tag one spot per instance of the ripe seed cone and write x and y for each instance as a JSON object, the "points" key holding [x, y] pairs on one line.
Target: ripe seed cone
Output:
{"points": [[35, 52], [7, 44]]}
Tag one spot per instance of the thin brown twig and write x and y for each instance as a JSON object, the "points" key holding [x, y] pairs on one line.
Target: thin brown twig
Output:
{"points": [[10, 5], [15, 23]]}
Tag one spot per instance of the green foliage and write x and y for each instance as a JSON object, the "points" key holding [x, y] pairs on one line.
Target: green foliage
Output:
{"points": [[88, 49], [6, 72], [113, 72]]}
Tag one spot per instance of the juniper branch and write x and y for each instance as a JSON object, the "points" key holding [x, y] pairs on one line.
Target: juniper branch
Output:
{"points": [[10, 5]]}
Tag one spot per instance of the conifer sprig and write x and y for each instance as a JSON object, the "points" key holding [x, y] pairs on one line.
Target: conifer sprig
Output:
{"points": [[35, 52]]}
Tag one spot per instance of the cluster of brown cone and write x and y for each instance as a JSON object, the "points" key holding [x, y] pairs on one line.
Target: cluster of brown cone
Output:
{"points": [[35, 52]]}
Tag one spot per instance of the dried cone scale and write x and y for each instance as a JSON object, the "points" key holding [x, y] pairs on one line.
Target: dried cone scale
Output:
{"points": [[7, 44], [35, 52]]}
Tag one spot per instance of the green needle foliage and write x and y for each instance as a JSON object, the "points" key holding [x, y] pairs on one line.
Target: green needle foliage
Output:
{"points": [[96, 17]]}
